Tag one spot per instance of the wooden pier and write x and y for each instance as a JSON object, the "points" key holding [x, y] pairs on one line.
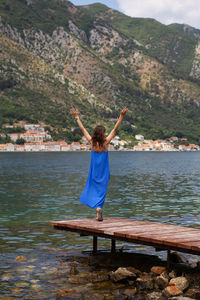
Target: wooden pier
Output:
{"points": [[160, 236]]}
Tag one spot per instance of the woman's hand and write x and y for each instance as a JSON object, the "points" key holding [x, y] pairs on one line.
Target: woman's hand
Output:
{"points": [[123, 112], [74, 112]]}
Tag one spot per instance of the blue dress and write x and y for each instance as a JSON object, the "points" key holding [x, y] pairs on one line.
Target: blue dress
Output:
{"points": [[96, 186]]}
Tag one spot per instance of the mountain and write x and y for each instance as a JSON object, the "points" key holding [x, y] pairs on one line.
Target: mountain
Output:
{"points": [[186, 29], [54, 55]]}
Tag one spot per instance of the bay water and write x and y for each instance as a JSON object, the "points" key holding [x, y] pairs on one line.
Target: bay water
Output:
{"points": [[36, 188]]}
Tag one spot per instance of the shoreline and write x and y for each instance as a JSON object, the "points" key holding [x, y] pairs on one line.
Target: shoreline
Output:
{"points": [[78, 151]]}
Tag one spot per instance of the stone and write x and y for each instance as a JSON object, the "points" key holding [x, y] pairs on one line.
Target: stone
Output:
{"points": [[154, 296], [121, 274], [193, 293], [129, 292], [171, 291], [145, 282], [21, 284], [172, 274], [158, 270], [64, 293], [73, 271], [20, 258], [160, 282], [80, 34], [6, 277], [97, 277], [180, 282], [134, 270], [182, 298]]}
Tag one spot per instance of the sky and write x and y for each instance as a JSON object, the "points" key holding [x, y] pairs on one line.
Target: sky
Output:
{"points": [[164, 11]]}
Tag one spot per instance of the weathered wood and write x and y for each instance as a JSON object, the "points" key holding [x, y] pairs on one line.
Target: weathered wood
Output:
{"points": [[161, 236]]}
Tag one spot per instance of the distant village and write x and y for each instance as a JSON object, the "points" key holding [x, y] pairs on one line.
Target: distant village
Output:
{"points": [[37, 139]]}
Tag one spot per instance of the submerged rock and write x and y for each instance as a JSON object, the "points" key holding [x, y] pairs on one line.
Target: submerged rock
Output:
{"points": [[193, 293], [183, 298], [129, 292], [154, 296], [20, 258], [73, 271], [145, 282], [161, 282], [121, 274]]}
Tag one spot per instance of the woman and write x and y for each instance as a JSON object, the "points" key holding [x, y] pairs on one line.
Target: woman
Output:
{"points": [[96, 186]]}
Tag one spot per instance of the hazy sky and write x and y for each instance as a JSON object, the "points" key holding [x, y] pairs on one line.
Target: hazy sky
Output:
{"points": [[164, 11]]}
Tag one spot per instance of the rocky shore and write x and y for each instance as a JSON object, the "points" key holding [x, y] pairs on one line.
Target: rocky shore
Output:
{"points": [[105, 276], [132, 276]]}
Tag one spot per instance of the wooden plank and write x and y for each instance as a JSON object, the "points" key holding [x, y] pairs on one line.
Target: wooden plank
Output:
{"points": [[148, 233]]}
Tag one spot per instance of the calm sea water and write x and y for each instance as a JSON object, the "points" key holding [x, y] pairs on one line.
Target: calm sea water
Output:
{"points": [[36, 188]]}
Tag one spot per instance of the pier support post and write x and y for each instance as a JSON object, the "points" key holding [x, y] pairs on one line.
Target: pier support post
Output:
{"points": [[113, 246], [168, 260], [94, 244]]}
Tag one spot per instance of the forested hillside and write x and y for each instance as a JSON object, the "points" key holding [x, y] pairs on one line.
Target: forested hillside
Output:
{"points": [[54, 56]]}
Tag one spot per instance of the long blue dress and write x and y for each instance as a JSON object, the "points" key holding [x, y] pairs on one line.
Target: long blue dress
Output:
{"points": [[96, 186]]}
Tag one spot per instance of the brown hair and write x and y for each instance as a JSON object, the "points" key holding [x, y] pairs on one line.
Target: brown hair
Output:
{"points": [[98, 136]]}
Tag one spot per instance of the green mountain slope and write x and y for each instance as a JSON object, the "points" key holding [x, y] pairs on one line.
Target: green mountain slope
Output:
{"points": [[186, 29], [54, 55], [160, 41]]}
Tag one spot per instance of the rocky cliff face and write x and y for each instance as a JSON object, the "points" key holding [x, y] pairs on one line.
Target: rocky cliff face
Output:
{"points": [[195, 72]]}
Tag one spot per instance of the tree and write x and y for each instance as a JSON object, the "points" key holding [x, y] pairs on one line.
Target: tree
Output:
{"points": [[20, 141]]}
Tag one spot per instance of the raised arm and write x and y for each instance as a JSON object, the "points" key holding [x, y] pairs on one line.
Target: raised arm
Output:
{"points": [[75, 113], [113, 132]]}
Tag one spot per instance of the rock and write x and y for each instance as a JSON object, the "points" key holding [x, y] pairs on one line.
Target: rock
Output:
{"points": [[6, 277], [97, 277], [134, 270], [20, 258], [161, 282], [80, 34], [193, 293], [129, 292], [121, 274], [21, 284], [65, 293], [154, 296], [145, 282], [180, 282], [172, 274], [171, 291], [73, 271], [158, 270], [182, 298], [76, 279]]}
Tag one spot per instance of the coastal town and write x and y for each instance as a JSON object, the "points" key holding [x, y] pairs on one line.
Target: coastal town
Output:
{"points": [[36, 139]]}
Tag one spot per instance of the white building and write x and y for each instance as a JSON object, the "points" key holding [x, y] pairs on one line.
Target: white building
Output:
{"points": [[75, 146], [139, 137], [3, 147], [33, 127], [10, 147], [14, 136]]}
